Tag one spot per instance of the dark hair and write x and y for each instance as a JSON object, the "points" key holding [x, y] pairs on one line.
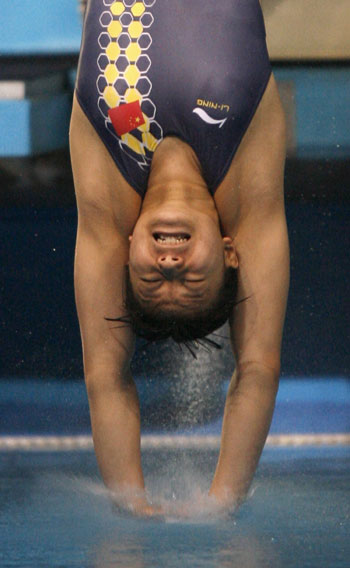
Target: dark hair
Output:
{"points": [[155, 324]]}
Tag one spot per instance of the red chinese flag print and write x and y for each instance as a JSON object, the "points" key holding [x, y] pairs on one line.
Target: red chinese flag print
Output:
{"points": [[126, 117]]}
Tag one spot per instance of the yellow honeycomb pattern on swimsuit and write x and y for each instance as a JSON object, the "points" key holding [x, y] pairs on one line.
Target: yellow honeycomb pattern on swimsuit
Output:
{"points": [[123, 63]]}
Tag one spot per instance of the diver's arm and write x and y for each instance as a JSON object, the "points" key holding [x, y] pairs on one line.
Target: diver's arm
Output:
{"points": [[251, 210], [101, 255], [256, 334], [107, 212], [107, 349]]}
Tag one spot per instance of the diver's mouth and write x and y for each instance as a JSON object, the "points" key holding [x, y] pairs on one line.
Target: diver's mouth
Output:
{"points": [[171, 238]]}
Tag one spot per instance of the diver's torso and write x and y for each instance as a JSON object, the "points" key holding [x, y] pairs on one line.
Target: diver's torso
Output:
{"points": [[194, 69]]}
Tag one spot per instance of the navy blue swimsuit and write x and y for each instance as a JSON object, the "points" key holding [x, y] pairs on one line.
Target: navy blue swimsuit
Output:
{"points": [[195, 69]]}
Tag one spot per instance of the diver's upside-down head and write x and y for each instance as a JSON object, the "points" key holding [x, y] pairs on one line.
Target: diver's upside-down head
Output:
{"points": [[159, 322]]}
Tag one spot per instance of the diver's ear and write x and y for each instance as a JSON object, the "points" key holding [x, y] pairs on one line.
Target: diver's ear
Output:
{"points": [[231, 258]]}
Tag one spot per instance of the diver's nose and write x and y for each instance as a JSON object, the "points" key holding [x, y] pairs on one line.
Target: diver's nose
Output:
{"points": [[170, 264]]}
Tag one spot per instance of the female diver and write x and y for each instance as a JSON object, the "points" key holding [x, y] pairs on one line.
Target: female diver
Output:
{"points": [[178, 147]]}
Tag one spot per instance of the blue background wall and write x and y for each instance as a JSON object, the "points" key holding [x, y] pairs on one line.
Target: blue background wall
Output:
{"points": [[38, 326]]}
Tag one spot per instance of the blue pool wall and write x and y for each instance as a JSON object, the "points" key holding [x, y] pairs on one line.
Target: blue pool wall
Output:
{"points": [[54, 407]]}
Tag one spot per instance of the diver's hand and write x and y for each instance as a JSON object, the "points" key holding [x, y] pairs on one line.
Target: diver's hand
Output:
{"points": [[202, 506], [224, 501], [134, 503]]}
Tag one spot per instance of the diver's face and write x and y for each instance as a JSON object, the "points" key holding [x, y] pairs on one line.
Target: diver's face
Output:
{"points": [[176, 261]]}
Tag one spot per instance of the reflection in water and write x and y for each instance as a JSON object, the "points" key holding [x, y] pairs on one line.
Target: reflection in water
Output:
{"points": [[121, 550], [247, 552], [148, 544], [192, 532], [298, 516]]}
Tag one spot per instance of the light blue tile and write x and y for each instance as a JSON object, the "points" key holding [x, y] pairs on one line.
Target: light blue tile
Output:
{"points": [[31, 127], [39, 27], [322, 107]]}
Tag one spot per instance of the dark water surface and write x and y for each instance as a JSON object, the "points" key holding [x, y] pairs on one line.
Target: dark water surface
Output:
{"points": [[54, 513]]}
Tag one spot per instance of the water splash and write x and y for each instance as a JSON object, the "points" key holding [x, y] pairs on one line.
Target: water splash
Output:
{"points": [[176, 493]]}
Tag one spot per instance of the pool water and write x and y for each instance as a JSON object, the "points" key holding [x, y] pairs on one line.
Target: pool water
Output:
{"points": [[54, 512]]}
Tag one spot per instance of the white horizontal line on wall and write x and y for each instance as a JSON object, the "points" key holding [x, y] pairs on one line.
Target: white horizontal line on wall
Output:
{"points": [[155, 442]]}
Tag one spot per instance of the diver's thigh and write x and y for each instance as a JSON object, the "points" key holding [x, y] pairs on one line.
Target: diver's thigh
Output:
{"points": [[97, 179]]}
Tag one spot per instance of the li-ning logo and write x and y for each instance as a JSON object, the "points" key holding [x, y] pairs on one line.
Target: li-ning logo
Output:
{"points": [[205, 116], [211, 104], [209, 119]]}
